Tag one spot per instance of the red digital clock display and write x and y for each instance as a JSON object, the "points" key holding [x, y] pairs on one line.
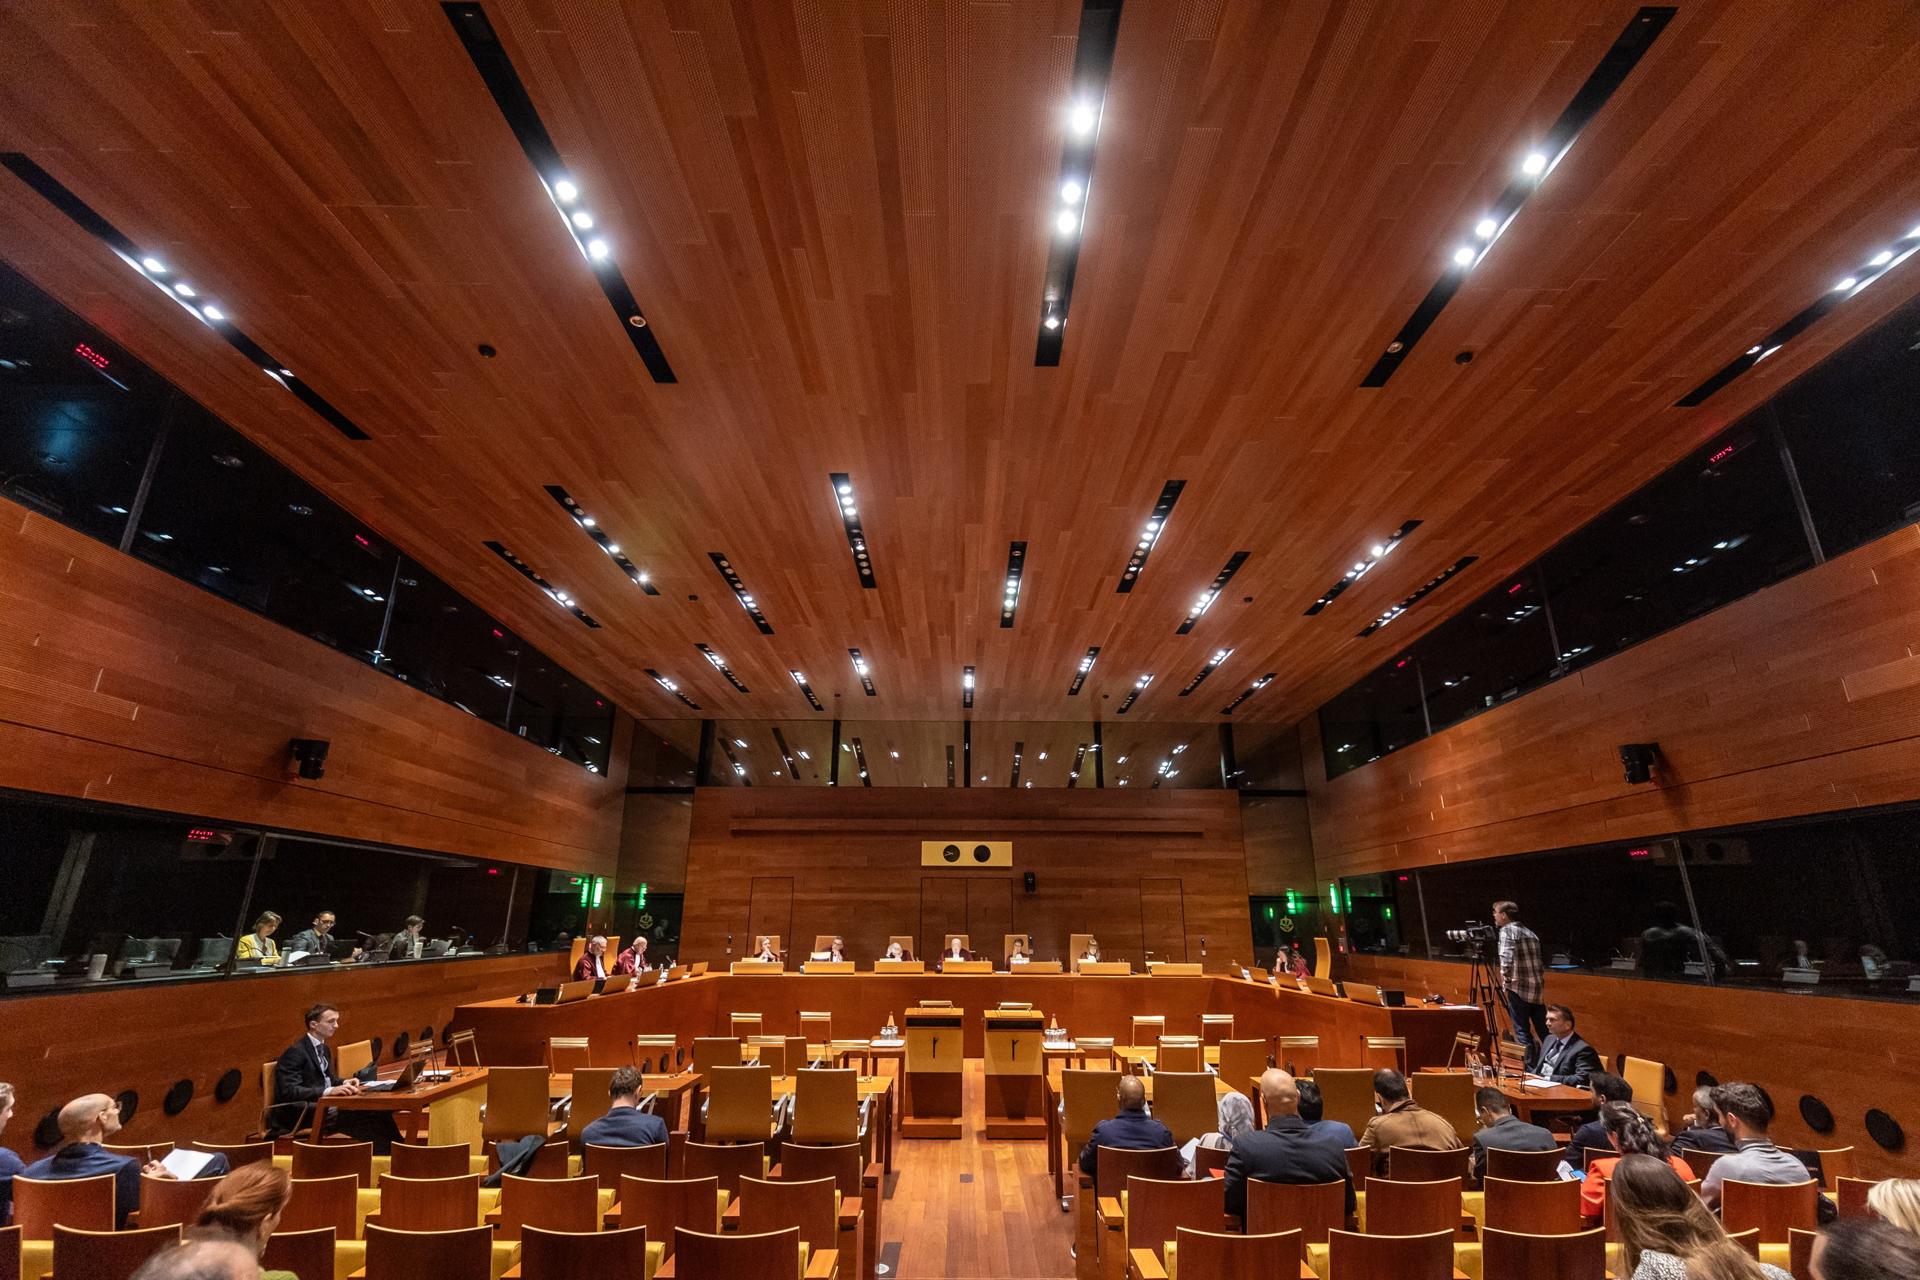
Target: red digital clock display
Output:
{"points": [[91, 356]]}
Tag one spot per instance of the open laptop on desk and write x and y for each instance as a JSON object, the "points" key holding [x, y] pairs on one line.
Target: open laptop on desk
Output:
{"points": [[402, 1083]]}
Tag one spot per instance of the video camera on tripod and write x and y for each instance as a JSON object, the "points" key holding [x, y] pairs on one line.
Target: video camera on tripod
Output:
{"points": [[1476, 940]]}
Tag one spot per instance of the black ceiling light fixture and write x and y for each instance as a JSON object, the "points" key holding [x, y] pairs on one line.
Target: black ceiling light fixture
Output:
{"points": [[1150, 534], [847, 503], [1092, 67], [559, 597], [590, 526], [1427, 588], [1362, 567]]}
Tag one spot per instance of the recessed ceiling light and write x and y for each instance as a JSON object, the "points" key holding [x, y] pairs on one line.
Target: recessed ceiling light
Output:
{"points": [[1881, 258], [154, 265], [582, 219], [1071, 191], [597, 249], [213, 313], [1066, 222], [1051, 322], [1535, 164], [564, 191], [1485, 228], [183, 289], [1082, 118], [1463, 256]]}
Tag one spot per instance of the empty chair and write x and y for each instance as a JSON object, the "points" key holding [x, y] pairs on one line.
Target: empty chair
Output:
{"points": [[9, 1253], [430, 1204], [1418, 1164], [1384, 1051], [1534, 1208], [1208, 1160], [662, 1207], [304, 1253], [1300, 1055], [463, 1254], [812, 1207], [698, 1256], [518, 1104], [1412, 1208], [771, 1053], [331, 1159], [568, 1053], [1179, 1053], [610, 1164], [740, 1105], [237, 1153], [1508, 1255], [1773, 1208], [576, 1255], [1219, 1256], [173, 1201], [315, 1204], [826, 1106], [1347, 1095], [555, 1204], [1314, 1209], [1800, 1253], [727, 1163], [656, 1054], [84, 1203], [1427, 1256], [1112, 1167], [1835, 1163], [817, 1028], [1156, 1208], [858, 1183], [715, 1051], [743, 1026], [1184, 1102], [1216, 1027], [1241, 1065], [1649, 1081], [1360, 1164], [1145, 1029], [417, 1160], [107, 1255], [1524, 1166], [1851, 1196], [1449, 1095]]}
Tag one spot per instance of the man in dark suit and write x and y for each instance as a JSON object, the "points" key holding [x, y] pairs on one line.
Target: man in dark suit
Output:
{"points": [[1592, 1135], [1501, 1129], [1702, 1129], [87, 1122], [1564, 1057], [1132, 1128], [305, 1074], [624, 1125], [1287, 1150], [318, 940]]}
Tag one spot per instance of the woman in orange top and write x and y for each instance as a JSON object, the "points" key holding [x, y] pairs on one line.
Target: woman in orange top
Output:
{"points": [[1631, 1134]]}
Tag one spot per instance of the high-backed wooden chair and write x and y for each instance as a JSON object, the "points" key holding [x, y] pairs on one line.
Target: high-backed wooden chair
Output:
{"points": [[728, 1163], [816, 1026], [1150, 1211], [1835, 1163], [1774, 1208], [331, 1159], [1209, 1160], [463, 1254], [1523, 1166], [568, 1053], [1145, 1029], [826, 1107], [589, 1103], [610, 1164], [909, 947], [664, 1206], [418, 1160], [1219, 1256], [1700, 1161], [1184, 1102], [1575, 1255], [1748, 1240], [1427, 1256], [1076, 947], [1216, 1027], [555, 1204], [771, 1053], [429, 1204], [1419, 1164], [1300, 1056], [1465, 1045], [740, 1105], [304, 1253], [580, 1255], [744, 1026], [697, 1256], [1413, 1208], [1384, 1051], [1800, 1253], [1242, 1062], [858, 1183], [1113, 1166], [107, 1255], [1449, 1095], [1360, 1165], [9, 1253], [82, 1203], [1534, 1208], [812, 1207], [1347, 1093], [1086, 1098], [352, 1059], [1314, 1209], [173, 1201], [1649, 1081], [316, 1204], [656, 1054], [1179, 1053], [237, 1153], [1851, 1197], [518, 1104], [144, 1152], [715, 1051]]}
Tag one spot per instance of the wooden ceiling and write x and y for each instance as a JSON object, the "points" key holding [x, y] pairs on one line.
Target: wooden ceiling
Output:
{"points": [[836, 217]]}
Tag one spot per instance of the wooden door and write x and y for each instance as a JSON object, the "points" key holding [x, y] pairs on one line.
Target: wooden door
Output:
{"points": [[1163, 919], [943, 910], [770, 910], [989, 915]]}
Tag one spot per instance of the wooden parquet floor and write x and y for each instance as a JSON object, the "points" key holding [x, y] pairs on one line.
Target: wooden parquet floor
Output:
{"points": [[973, 1209]]}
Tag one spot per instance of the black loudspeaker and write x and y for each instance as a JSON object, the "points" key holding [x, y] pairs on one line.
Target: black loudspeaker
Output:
{"points": [[1028, 881], [1639, 759], [310, 754]]}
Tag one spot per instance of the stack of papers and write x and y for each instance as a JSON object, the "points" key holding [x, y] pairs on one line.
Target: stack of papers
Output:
{"points": [[186, 1165]]}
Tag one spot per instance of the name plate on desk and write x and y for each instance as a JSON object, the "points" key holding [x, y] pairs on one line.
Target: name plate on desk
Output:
{"points": [[1168, 969], [756, 966], [966, 966], [1106, 968], [1036, 966], [827, 966], [898, 966]]}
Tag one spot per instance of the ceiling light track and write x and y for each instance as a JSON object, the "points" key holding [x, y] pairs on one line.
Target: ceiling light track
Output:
{"points": [[1219, 656], [1378, 552], [966, 688], [554, 593], [1150, 536], [1619, 61], [674, 689], [861, 669], [800, 678], [1083, 671], [490, 59], [1212, 593], [740, 592], [1010, 594], [1432, 584], [845, 502], [1066, 224], [1133, 694], [1248, 692], [591, 527], [156, 272], [720, 665]]}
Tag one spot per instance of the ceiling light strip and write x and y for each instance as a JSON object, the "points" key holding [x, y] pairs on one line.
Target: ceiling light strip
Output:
{"points": [[800, 678], [156, 272], [1379, 551], [861, 669], [558, 596], [847, 505], [747, 602], [482, 43], [674, 689], [1010, 593], [591, 527], [1849, 285], [720, 665], [1085, 669], [1219, 656], [1539, 161], [1433, 584], [1066, 223], [1139, 686], [966, 688], [1150, 536], [1212, 593], [1248, 692]]}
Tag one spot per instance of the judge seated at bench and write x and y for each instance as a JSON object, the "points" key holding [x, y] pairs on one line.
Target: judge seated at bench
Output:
{"points": [[1092, 953], [764, 952], [593, 960], [897, 952], [954, 951], [1018, 955]]}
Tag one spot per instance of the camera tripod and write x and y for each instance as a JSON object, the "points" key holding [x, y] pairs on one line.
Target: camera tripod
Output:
{"points": [[1483, 986]]}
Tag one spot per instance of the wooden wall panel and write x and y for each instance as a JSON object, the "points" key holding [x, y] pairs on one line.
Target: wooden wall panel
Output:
{"points": [[121, 683], [57, 1047], [1279, 840], [1852, 1054], [854, 855], [1799, 699]]}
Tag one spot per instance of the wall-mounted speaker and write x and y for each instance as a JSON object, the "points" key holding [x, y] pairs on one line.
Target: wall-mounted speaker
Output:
{"points": [[309, 756], [1028, 881], [966, 855]]}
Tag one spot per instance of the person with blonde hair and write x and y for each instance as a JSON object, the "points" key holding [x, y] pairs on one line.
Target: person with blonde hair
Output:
{"points": [[259, 945], [1896, 1200], [10, 1162], [1667, 1233], [245, 1207]]}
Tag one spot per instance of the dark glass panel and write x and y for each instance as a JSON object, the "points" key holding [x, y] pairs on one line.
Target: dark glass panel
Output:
{"points": [[440, 643], [1380, 714], [1499, 648]]}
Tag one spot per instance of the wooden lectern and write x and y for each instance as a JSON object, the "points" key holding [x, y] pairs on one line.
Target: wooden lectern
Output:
{"points": [[1016, 1099], [933, 1079]]}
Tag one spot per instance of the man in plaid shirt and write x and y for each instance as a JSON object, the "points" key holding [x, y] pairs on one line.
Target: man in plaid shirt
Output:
{"points": [[1523, 979]]}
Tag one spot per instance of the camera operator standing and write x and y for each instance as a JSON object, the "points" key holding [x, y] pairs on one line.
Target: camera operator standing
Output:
{"points": [[1523, 979]]}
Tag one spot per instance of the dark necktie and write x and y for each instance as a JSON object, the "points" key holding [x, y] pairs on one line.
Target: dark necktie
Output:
{"points": [[320, 1055]]}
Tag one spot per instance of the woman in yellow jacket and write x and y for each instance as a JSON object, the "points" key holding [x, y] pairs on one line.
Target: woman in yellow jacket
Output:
{"points": [[259, 945]]}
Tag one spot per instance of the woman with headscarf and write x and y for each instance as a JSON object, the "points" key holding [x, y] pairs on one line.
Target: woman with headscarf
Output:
{"points": [[1235, 1117]]}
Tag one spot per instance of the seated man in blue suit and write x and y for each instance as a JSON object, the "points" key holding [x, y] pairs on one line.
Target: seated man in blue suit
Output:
{"points": [[305, 1074], [1564, 1057], [1132, 1128], [625, 1124], [87, 1122]]}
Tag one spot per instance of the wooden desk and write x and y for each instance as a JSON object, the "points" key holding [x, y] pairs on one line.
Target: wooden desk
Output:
{"points": [[452, 1107], [1561, 1098]]}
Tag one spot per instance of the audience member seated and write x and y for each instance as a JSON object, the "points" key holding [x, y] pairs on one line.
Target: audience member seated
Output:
{"points": [[87, 1122], [593, 960], [259, 945], [1896, 1200], [1702, 1130], [1018, 955], [245, 1208], [10, 1163], [202, 1260], [1564, 1057], [1286, 1150], [1501, 1129], [1862, 1249], [305, 1074], [1402, 1122], [1629, 1134], [764, 952], [1235, 1117], [1745, 1112], [1666, 1233], [1313, 1109], [1132, 1128], [624, 1125], [1606, 1087], [318, 940], [633, 960]]}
